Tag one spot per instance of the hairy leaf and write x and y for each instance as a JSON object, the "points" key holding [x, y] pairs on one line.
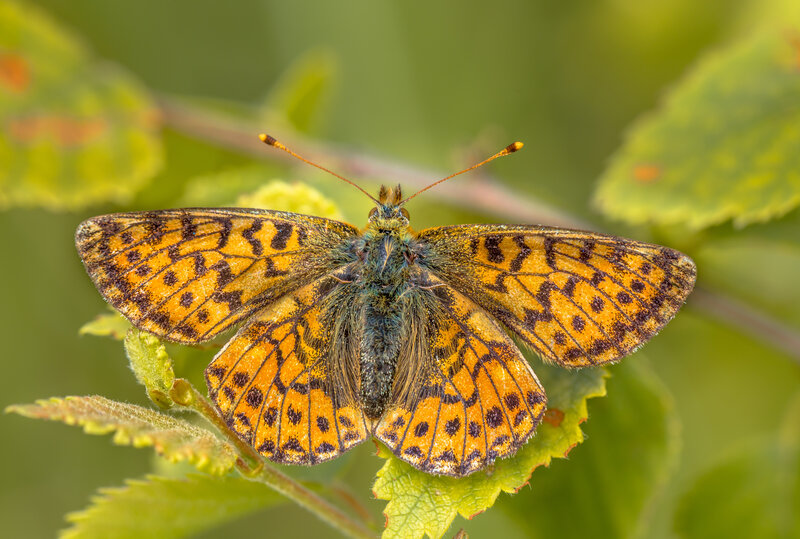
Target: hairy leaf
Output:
{"points": [[72, 132], [168, 507], [151, 364], [723, 146], [422, 504], [173, 438]]}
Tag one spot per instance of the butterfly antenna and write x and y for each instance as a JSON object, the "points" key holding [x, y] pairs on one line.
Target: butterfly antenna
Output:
{"points": [[272, 141], [511, 148]]}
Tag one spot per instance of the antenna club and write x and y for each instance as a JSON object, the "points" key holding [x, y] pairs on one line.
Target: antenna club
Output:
{"points": [[270, 140], [513, 147]]}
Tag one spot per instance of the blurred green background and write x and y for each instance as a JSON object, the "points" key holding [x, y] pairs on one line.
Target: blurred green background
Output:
{"points": [[420, 86]]}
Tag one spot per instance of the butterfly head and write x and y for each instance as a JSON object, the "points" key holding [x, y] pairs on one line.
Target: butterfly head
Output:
{"points": [[389, 212]]}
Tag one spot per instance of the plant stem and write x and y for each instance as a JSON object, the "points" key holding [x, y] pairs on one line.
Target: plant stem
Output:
{"points": [[254, 468]]}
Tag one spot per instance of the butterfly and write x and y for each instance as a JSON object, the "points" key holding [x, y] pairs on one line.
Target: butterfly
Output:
{"points": [[384, 331]]}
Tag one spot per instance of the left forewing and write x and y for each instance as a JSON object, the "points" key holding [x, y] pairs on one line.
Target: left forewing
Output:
{"points": [[189, 274], [578, 298]]}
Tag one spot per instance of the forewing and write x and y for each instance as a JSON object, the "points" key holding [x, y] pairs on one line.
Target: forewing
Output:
{"points": [[271, 382], [188, 275], [578, 298], [481, 400]]}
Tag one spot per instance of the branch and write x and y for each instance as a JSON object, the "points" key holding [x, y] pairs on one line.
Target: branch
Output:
{"points": [[486, 196]]}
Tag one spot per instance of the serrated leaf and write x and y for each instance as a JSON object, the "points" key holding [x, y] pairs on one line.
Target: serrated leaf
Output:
{"points": [[753, 494], [111, 324], [151, 364], [173, 438], [723, 146], [422, 504], [168, 508], [631, 448], [72, 132], [301, 95]]}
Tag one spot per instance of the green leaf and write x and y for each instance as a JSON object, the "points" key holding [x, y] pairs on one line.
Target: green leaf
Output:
{"points": [[614, 477], [421, 504], [173, 438], [111, 324], [723, 146], [151, 364], [72, 132], [302, 94], [753, 494], [168, 508]]}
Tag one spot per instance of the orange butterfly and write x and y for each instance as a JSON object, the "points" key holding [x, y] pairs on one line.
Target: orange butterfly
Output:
{"points": [[384, 331]]}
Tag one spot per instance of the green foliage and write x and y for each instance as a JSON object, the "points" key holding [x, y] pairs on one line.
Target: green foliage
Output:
{"points": [[753, 494], [151, 364], [72, 132], [111, 324], [172, 438], [723, 146], [422, 504], [168, 508]]}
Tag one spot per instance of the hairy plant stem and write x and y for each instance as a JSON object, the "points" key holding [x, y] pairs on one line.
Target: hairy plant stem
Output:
{"points": [[253, 467]]}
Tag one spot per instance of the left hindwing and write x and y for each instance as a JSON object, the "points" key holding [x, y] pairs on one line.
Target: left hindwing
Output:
{"points": [[578, 298]]}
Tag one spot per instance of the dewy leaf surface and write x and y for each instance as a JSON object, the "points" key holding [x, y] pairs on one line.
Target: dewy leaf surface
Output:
{"points": [[168, 508], [753, 494], [174, 439], [72, 132], [422, 504], [724, 145]]}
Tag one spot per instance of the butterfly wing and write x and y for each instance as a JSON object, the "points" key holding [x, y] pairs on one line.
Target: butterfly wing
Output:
{"points": [[273, 381], [188, 275], [577, 298], [479, 399]]}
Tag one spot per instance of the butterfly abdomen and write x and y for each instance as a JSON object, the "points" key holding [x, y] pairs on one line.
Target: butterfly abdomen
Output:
{"points": [[383, 281]]}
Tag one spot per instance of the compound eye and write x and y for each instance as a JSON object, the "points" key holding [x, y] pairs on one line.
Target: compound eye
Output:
{"points": [[373, 212], [404, 213]]}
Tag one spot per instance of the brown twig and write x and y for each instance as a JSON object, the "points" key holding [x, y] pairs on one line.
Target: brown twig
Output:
{"points": [[487, 196]]}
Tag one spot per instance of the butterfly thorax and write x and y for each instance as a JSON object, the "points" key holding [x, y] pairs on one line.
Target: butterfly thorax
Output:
{"points": [[386, 256]]}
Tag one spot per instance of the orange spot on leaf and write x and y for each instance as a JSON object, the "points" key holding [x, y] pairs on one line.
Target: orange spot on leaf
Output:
{"points": [[646, 173], [554, 416], [14, 73], [64, 130]]}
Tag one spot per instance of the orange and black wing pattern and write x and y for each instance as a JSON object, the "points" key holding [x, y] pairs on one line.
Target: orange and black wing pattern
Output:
{"points": [[272, 382], [578, 298], [479, 401], [187, 275]]}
